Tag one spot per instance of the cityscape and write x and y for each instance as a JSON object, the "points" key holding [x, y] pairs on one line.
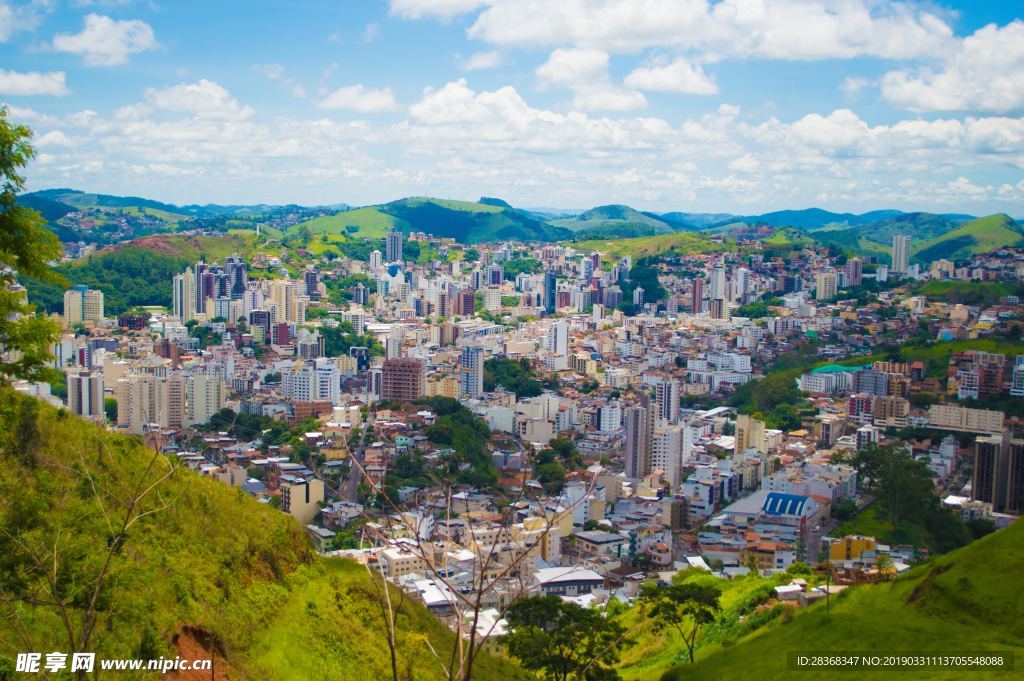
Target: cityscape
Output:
{"points": [[475, 438]]}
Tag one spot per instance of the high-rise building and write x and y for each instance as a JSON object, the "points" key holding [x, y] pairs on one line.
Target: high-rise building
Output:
{"points": [[85, 393], [637, 454], [749, 434], [666, 400], [718, 308], [236, 272], [558, 338], [288, 306], [83, 305], [403, 379], [826, 285], [204, 397], [854, 271], [375, 260], [999, 472], [393, 246], [900, 254], [183, 295], [312, 279], [550, 288], [718, 282], [697, 295], [471, 371]]}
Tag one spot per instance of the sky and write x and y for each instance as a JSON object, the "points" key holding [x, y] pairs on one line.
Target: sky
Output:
{"points": [[739, 106]]}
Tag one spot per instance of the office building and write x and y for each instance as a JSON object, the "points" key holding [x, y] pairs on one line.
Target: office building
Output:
{"points": [[637, 453], [393, 246], [998, 476], [83, 305], [471, 371], [550, 288], [900, 254], [85, 393]]}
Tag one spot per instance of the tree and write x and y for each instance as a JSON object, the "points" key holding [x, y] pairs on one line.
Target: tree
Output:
{"points": [[563, 640], [26, 246], [110, 408], [686, 607]]}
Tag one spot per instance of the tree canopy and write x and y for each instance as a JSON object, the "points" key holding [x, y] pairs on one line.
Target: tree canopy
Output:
{"points": [[26, 246]]}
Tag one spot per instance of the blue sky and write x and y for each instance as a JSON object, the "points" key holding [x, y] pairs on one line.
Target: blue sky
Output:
{"points": [[734, 105]]}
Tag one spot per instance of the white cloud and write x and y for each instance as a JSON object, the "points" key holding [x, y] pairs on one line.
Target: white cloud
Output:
{"points": [[483, 60], [370, 33], [54, 138], [680, 76], [106, 42], [985, 73], [445, 9], [585, 71], [276, 73], [359, 98], [204, 98], [33, 83], [23, 16], [774, 29], [852, 85]]}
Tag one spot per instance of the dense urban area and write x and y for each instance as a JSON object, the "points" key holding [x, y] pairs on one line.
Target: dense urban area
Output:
{"points": [[600, 421]]}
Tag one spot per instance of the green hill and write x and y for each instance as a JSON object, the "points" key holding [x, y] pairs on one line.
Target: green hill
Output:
{"points": [[965, 602], [464, 221], [972, 238], [201, 558], [615, 221], [638, 247], [140, 271]]}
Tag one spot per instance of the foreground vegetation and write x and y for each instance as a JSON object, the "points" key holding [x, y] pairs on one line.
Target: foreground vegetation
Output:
{"points": [[197, 554]]}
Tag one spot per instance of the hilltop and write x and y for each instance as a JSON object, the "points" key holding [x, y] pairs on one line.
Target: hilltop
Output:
{"points": [[206, 563], [970, 596], [615, 221], [977, 236], [465, 221]]}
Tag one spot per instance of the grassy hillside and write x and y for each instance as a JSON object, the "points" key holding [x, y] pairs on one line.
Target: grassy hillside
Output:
{"points": [[615, 221], [967, 601], [679, 242], [203, 556], [368, 223], [977, 236], [464, 221]]}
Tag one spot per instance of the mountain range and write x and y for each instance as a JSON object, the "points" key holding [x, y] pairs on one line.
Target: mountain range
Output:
{"points": [[493, 219]]}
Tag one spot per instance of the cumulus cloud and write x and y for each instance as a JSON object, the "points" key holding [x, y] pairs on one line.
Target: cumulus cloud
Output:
{"points": [[33, 83], [681, 77], [359, 98], [985, 73], [106, 42], [775, 29], [585, 71], [204, 99]]}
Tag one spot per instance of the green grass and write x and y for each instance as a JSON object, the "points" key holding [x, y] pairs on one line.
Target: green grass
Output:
{"points": [[977, 236], [652, 652], [683, 242], [872, 522], [967, 601], [967, 292], [371, 223]]}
